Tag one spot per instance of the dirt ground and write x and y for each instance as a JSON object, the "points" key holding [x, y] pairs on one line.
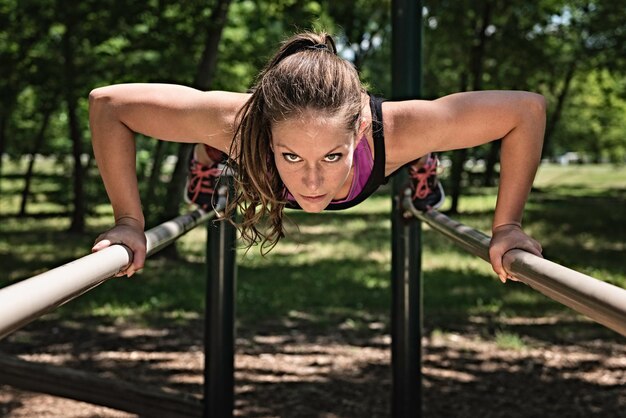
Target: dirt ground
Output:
{"points": [[293, 369]]}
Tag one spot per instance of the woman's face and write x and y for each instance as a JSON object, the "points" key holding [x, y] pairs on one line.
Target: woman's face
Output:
{"points": [[313, 154]]}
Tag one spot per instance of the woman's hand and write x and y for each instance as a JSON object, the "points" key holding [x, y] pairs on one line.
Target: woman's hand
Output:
{"points": [[505, 238], [129, 232]]}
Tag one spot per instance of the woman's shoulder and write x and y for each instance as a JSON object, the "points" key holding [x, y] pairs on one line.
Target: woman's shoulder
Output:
{"points": [[228, 98], [407, 126], [168, 97], [173, 112]]}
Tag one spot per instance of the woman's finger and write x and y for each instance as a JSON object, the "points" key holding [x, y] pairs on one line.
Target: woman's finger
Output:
{"points": [[130, 237], [138, 261], [496, 264], [532, 247], [101, 245]]}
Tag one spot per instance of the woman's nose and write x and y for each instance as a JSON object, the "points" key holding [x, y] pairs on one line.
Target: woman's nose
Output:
{"points": [[313, 178]]}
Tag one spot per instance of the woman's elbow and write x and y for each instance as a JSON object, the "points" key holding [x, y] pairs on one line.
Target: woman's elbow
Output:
{"points": [[535, 104], [105, 103], [100, 96], [104, 110], [114, 95]]}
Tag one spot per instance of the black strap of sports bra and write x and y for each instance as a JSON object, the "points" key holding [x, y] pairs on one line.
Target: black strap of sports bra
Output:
{"points": [[378, 171], [377, 177]]}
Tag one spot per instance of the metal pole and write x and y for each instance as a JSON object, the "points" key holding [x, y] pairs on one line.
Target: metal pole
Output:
{"points": [[600, 301], [219, 317], [27, 300], [406, 311]]}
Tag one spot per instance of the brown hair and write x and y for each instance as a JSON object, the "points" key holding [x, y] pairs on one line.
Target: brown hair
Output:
{"points": [[305, 73]]}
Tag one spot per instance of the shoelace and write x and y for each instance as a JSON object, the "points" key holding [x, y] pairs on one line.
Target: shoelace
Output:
{"points": [[422, 175], [200, 181]]}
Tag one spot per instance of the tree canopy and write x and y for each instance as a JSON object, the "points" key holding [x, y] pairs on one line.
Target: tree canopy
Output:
{"points": [[571, 51]]}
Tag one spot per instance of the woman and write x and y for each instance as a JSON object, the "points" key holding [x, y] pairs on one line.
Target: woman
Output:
{"points": [[310, 137]]}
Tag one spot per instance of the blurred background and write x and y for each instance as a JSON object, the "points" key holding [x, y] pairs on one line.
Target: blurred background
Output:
{"points": [[312, 317], [53, 54]]}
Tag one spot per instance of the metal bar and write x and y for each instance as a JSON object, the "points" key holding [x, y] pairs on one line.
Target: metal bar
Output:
{"points": [[600, 301], [406, 316], [406, 275], [164, 234], [219, 336], [27, 300]]}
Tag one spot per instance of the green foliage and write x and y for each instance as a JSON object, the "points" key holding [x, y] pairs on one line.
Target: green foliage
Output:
{"points": [[531, 46], [594, 123], [483, 44], [527, 46]]}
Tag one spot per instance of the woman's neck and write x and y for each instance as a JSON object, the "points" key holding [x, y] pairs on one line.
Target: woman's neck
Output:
{"points": [[347, 186]]}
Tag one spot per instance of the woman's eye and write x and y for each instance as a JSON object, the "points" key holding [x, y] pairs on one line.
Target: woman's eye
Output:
{"points": [[292, 158], [331, 158]]}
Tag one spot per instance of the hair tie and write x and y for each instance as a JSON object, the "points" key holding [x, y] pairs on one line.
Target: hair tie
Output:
{"points": [[319, 47]]}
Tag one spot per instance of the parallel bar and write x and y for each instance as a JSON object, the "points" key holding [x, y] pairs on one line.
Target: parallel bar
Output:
{"points": [[406, 274], [219, 336], [164, 234], [600, 301], [27, 300]]}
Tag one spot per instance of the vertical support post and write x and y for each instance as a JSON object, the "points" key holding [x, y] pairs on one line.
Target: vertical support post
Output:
{"points": [[406, 315], [219, 337]]}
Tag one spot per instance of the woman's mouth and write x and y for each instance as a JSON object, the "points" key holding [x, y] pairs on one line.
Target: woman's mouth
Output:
{"points": [[314, 199]]}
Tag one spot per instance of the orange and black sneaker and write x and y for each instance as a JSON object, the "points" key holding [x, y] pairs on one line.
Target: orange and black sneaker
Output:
{"points": [[427, 190], [202, 180]]}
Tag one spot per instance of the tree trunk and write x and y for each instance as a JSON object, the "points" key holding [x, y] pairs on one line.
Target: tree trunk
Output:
{"points": [[456, 178], [138, 399], [31, 163], [3, 132], [558, 110], [208, 62], [153, 180], [203, 80], [489, 176], [477, 55], [78, 214], [176, 186]]}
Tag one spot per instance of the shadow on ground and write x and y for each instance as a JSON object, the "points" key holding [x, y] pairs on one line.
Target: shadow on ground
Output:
{"points": [[294, 368]]}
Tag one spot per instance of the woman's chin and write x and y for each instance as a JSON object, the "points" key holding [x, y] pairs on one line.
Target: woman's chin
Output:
{"points": [[312, 207]]}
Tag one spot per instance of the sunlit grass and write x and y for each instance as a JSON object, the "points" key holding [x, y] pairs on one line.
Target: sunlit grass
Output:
{"points": [[337, 264], [585, 177], [509, 341]]}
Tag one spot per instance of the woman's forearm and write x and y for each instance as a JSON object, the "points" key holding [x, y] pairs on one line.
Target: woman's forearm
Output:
{"points": [[519, 158], [114, 149]]}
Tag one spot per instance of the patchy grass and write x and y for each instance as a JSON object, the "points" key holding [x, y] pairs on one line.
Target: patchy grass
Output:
{"points": [[336, 265], [509, 341]]}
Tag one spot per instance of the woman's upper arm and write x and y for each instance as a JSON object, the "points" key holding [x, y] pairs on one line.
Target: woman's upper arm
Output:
{"points": [[456, 121], [171, 112]]}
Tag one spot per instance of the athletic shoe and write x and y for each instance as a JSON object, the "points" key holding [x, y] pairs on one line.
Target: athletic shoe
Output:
{"points": [[427, 190], [201, 182]]}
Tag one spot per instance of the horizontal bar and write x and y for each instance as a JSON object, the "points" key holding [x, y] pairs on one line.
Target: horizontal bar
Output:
{"points": [[27, 300], [164, 234], [600, 301]]}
